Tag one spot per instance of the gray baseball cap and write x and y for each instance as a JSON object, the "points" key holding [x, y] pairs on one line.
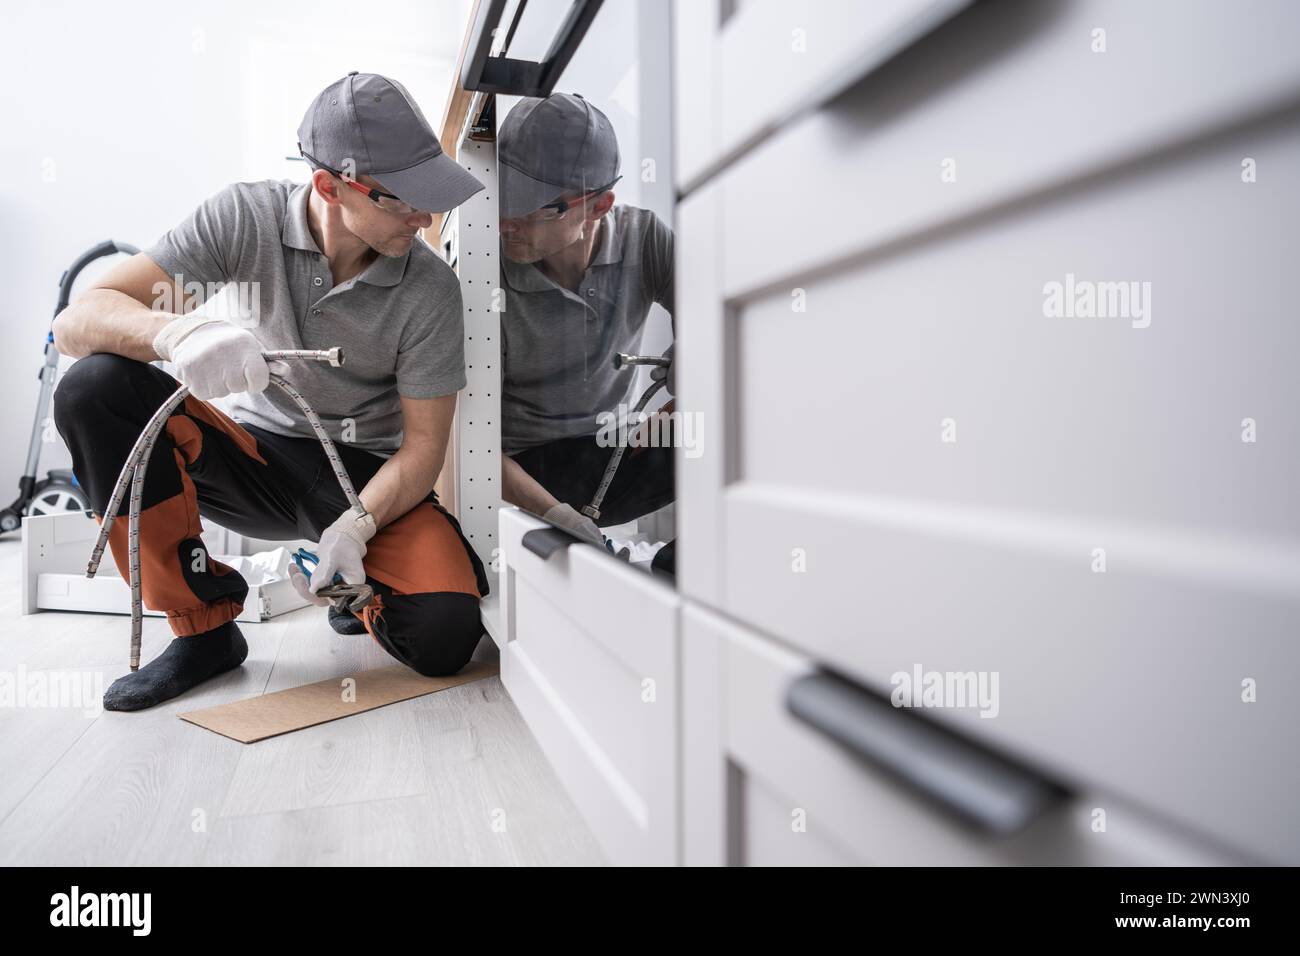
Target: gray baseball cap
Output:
{"points": [[371, 122], [546, 147]]}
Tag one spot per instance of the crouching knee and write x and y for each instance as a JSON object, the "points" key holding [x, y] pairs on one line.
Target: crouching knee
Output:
{"points": [[90, 384], [435, 634]]}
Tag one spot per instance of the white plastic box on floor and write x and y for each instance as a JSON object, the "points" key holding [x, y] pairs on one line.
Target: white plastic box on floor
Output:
{"points": [[56, 549]]}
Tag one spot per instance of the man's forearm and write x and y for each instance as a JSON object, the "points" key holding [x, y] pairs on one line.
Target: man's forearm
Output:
{"points": [[104, 320], [520, 488], [403, 481]]}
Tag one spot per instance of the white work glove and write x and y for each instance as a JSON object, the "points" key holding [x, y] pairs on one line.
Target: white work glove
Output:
{"points": [[564, 516], [303, 586], [342, 546], [659, 372], [212, 356]]}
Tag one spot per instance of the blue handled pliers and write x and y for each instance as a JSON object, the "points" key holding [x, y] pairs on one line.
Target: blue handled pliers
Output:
{"points": [[344, 596], [302, 556]]}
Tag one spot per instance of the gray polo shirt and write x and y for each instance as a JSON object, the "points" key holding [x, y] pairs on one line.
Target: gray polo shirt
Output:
{"points": [[399, 322], [558, 346]]}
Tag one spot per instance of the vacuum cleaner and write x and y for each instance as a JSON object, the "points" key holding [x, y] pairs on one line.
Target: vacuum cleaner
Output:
{"points": [[59, 490]]}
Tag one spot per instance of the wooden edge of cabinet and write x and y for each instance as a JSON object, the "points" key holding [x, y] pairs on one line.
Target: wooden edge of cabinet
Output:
{"points": [[453, 119]]}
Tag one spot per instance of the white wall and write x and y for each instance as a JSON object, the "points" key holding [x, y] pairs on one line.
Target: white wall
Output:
{"points": [[120, 118]]}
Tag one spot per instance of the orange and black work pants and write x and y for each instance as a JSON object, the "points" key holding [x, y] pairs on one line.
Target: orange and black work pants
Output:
{"points": [[426, 577]]}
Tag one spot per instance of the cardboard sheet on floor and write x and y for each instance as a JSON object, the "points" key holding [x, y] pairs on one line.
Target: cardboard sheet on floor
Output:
{"points": [[285, 711]]}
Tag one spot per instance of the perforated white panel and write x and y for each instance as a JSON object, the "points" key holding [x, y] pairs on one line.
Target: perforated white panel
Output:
{"points": [[478, 422]]}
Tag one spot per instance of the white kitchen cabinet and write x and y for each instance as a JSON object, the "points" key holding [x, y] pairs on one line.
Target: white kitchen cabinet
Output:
{"points": [[911, 459]]}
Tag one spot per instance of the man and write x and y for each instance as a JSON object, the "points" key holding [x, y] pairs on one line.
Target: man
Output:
{"points": [[334, 262], [581, 275]]}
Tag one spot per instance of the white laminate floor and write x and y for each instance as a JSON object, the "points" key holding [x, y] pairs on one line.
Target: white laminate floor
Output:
{"points": [[451, 778]]}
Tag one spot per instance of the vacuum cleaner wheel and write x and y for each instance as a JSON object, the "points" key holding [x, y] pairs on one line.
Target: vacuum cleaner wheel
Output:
{"points": [[57, 497]]}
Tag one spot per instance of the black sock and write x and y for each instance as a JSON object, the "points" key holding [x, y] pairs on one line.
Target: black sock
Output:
{"points": [[345, 622], [186, 662]]}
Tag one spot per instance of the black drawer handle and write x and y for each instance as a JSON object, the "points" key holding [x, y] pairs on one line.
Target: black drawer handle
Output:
{"points": [[544, 542], [979, 786]]}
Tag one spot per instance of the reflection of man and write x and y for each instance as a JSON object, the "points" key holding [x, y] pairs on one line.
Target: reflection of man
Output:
{"points": [[337, 263], [581, 275]]}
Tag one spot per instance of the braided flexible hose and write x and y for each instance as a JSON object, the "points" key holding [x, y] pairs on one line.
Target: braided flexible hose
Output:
{"points": [[623, 360]]}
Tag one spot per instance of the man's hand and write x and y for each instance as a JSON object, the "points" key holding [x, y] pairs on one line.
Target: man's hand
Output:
{"points": [[302, 584], [659, 372], [342, 546], [564, 516], [213, 357]]}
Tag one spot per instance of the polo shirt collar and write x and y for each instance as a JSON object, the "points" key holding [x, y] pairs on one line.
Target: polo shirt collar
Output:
{"points": [[609, 247], [295, 233], [384, 271]]}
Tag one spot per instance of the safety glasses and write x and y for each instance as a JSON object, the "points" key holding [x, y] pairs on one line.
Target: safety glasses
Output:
{"points": [[554, 210], [385, 201]]}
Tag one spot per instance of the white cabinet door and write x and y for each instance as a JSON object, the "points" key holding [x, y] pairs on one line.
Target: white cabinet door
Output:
{"points": [[590, 659]]}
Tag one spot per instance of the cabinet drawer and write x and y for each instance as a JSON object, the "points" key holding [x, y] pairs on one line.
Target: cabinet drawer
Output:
{"points": [[590, 660], [776, 790], [1009, 104], [744, 68]]}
